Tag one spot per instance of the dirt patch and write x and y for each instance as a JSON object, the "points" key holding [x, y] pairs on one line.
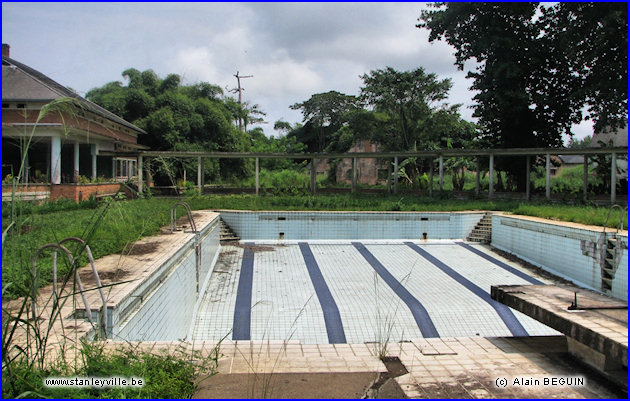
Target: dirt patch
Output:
{"points": [[142, 249], [286, 385], [253, 248], [106, 276], [385, 386]]}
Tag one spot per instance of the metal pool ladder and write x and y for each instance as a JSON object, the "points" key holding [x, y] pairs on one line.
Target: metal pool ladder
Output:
{"points": [[174, 217], [77, 278], [97, 280], [610, 251]]}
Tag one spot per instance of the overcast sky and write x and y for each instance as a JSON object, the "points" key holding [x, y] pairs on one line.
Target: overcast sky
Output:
{"points": [[293, 50]]}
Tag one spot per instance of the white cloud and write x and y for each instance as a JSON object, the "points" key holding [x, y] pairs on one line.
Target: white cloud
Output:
{"points": [[293, 50]]}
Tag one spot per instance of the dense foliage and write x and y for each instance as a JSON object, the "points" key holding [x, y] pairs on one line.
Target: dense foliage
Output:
{"points": [[538, 67]]}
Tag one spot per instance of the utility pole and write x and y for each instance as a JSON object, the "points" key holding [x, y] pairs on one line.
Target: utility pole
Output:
{"points": [[240, 90]]}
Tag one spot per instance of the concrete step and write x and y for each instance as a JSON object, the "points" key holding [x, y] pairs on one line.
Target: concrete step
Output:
{"points": [[230, 239]]}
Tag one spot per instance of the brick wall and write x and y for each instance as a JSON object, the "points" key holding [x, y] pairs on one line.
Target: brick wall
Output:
{"points": [[29, 192], [82, 192]]}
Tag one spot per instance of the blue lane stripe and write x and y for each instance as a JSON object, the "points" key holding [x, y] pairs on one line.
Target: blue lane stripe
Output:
{"points": [[332, 318], [505, 313], [420, 314], [243, 308], [502, 265]]}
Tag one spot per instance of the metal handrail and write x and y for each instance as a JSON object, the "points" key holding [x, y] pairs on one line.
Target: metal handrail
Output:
{"points": [[54, 280], [96, 279], [620, 225], [188, 212]]}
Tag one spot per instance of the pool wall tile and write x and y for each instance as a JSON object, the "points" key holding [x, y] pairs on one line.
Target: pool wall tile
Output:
{"points": [[349, 225], [569, 252], [166, 311]]}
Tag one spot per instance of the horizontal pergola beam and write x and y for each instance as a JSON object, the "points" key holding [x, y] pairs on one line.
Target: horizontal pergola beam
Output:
{"points": [[431, 155], [421, 154]]}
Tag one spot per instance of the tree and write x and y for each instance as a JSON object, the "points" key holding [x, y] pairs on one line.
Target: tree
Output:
{"points": [[594, 40], [323, 114], [178, 117], [282, 127], [408, 98], [537, 67]]}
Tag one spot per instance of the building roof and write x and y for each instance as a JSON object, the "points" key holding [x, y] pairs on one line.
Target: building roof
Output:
{"points": [[21, 83], [608, 137], [571, 159]]}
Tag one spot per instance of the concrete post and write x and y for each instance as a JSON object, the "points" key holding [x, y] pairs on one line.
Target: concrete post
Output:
{"points": [[548, 176], [491, 178], [441, 173], [477, 182], [613, 178], [313, 176], [75, 172], [139, 173], [199, 174], [395, 174], [389, 177], [528, 194], [431, 168], [585, 190], [55, 160], [257, 175], [354, 174]]}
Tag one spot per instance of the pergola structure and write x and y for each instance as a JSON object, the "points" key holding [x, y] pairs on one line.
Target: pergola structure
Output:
{"points": [[432, 155]]}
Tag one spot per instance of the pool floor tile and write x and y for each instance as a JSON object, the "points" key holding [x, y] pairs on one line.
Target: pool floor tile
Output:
{"points": [[285, 304]]}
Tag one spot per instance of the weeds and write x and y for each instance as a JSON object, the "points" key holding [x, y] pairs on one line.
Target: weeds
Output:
{"points": [[165, 374], [266, 379]]}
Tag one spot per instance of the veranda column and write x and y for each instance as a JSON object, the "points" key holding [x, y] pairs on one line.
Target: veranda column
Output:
{"points": [[491, 177], [548, 176], [93, 154], [75, 173], [55, 160]]}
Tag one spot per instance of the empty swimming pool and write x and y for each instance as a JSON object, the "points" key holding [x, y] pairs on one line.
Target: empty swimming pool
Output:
{"points": [[355, 277], [359, 291]]}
